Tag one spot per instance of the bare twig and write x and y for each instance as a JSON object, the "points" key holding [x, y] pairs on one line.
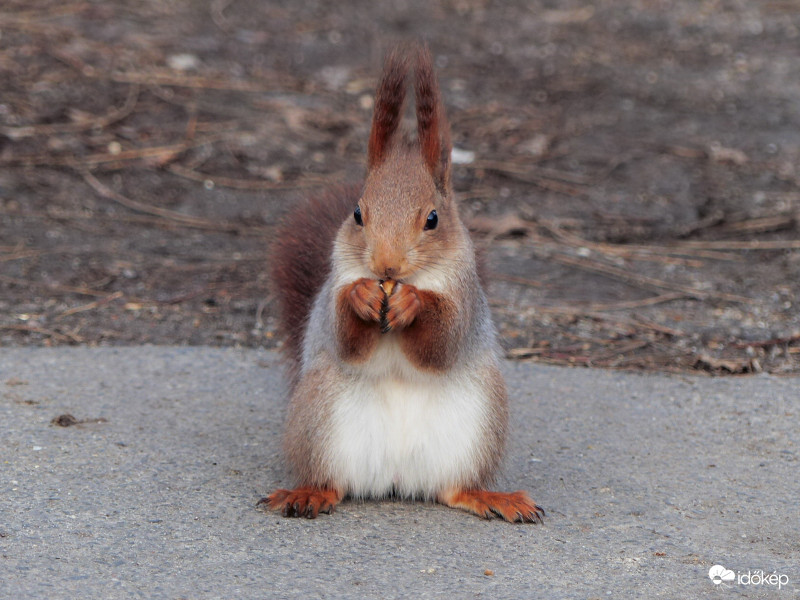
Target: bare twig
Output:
{"points": [[90, 305], [652, 325], [619, 350], [520, 170], [199, 82], [32, 16], [161, 153], [65, 289], [633, 325], [252, 184], [613, 306], [762, 224], [644, 281], [544, 182], [112, 116], [633, 250], [752, 245], [171, 78], [20, 255], [164, 213]]}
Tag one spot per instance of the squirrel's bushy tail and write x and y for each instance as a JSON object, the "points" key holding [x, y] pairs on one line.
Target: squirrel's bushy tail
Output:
{"points": [[300, 262]]}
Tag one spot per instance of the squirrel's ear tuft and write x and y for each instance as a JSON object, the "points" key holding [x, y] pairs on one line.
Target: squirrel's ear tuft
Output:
{"points": [[389, 100], [432, 127]]}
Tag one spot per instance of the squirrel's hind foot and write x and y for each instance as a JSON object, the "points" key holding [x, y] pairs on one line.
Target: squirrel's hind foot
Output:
{"points": [[306, 501], [514, 507]]}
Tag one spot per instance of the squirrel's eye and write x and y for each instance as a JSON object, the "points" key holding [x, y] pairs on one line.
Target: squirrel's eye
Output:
{"points": [[432, 221], [357, 215]]}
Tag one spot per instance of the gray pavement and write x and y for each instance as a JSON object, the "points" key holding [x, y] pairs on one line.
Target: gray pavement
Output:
{"points": [[648, 480]]}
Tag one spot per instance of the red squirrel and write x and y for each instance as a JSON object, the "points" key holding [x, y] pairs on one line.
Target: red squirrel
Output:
{"points": [[395, 381]]}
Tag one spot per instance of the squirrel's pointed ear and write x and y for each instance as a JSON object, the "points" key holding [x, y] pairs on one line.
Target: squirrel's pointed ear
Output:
{"points": [[389, 99], [432, 127]]}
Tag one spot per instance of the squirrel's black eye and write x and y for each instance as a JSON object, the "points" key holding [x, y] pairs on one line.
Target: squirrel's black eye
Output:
{"points": [[432, 221], [357, 215]]}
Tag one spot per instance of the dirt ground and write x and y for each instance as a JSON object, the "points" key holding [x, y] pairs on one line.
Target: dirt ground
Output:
{"points": [[632, 167]]}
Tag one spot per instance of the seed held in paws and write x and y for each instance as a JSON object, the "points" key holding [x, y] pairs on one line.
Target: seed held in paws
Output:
{"points": [[387, 285]]}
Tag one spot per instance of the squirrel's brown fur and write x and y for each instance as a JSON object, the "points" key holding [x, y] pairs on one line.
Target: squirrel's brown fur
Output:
{"points": [[389, 102], [300, 261], [395, 389], [432, 128]]}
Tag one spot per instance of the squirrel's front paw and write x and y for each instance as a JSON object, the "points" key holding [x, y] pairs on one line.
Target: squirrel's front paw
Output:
{"points": [[366, 298], [401, 308]]}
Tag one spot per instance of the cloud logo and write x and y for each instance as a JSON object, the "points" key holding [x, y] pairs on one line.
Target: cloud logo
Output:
{"points": [[718, 574]]}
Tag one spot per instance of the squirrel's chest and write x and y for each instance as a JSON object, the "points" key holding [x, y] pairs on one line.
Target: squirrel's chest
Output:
{"points": [[395, 429]]}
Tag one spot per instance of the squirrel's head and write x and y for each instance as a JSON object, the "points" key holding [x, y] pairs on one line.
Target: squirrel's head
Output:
{"points": [[406, 220]]}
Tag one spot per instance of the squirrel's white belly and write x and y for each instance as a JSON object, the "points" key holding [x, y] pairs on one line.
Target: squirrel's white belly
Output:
{"points": [[397, 429]]}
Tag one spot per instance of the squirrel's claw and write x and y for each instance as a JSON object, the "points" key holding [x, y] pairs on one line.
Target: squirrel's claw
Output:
{"points": [[305, 502], [515, 507]]}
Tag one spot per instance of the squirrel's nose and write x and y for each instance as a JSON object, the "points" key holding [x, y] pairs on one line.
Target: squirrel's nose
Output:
{"points": [[387, 263]]}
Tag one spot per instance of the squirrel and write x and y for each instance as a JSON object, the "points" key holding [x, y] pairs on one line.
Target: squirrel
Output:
{"points": [[394, 376]]}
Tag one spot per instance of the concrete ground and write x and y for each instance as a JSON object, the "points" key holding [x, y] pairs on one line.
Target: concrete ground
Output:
{"points": [[648, 481]]}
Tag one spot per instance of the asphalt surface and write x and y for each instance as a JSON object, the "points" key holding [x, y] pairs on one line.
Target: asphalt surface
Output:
{"points": [[648, 481]]}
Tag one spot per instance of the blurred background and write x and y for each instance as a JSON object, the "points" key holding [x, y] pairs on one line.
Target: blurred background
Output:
{"points": [[631, 167]]}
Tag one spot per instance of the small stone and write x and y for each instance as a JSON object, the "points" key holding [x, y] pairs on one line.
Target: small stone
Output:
{"points": [[183, 62]]}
